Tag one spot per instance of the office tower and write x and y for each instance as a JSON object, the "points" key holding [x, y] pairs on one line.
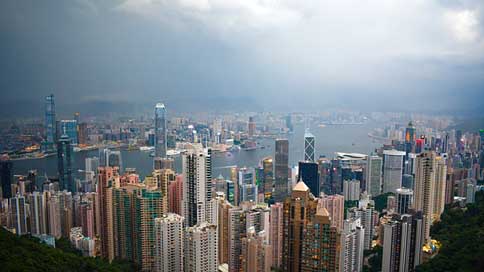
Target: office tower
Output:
{"points": [[276, 233], [50, 124], [237, 231], [169, 241], [424, 189], [321, 244], [410, 137], [268, 178], [352, 239], [54, 217], [308, 146], [325, 168], [439, 188], [160, 130], [392, 170], [351, 190], [374, 175], [251, 127], [289, 125], [407, 181], [148, 206], [201, 248], [82, 134], [38, 216], [175, 195], [247, 185], [106, 182], [6, 176], [163, 163], [197, 181], [258, 217], [402, 242], [404, 200], [334, 204], [256, 252], [281, 172], [308, 172], [64, 164], [69, 128], [18, 214], [114, 159], [366, 214]]}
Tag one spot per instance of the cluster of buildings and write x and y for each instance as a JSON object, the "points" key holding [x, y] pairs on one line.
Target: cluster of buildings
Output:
{"points": [[259, 218]]}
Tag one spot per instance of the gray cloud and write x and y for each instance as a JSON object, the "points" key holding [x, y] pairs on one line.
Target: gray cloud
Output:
{"points": [[262, 54]]}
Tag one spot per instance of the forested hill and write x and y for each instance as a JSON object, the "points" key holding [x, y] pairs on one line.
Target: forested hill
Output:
{"points": [[29, 254], [461, 232]]}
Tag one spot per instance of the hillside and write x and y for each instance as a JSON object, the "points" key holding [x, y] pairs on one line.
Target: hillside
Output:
{"points": [[461, 232], [28, 254]]}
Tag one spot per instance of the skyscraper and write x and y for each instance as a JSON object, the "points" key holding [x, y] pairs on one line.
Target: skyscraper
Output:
{"points": [[308, 172], [392, 170], [298, 211], [268, 178], [352, 239], [197, 190], [404, 200], [334, 204], [402, 243], [308, 146], [424, 189], [374, 175], [200, 247], [18, 214], [50, 124], [64, 164], [169, 242], [439, 189], [38, 213], [106, 182], [256, 252], [160, 130], [247, 185], [276, 233], [410, 137], [237, 231], [251, 127], [281, 171], [6, 176], [69, 128]]}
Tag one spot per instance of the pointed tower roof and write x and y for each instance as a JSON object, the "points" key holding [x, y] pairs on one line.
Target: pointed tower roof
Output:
{"points": [[322, 211], [301, 187]]}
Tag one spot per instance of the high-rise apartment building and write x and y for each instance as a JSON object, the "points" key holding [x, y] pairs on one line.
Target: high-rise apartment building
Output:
{"points": [[169, 242], [404, 198], [334, 204], [424, 191], [38, 213], [18, 214], [402, 243], [352, 239], [276, 233], [197, 184], [200, 247], [439, 188]]}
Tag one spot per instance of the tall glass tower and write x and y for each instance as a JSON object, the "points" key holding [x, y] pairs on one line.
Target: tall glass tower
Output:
{"points": [[64, 163], [308, 146], [50, 124], [160, 130]]}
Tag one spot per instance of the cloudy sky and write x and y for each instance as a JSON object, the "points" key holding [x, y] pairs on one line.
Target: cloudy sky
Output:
{"points": [[416, 55]]}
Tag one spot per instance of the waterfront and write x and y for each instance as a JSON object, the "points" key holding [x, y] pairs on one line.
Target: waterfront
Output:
{"points": [[329, 139]]}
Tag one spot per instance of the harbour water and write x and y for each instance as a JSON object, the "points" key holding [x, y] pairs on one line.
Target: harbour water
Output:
{"points": [[329, 139]]}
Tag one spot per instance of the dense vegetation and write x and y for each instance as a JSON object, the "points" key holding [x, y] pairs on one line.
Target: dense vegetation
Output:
{"points": [[461, 232], [381, 201], [29, 254], [375, 256]]}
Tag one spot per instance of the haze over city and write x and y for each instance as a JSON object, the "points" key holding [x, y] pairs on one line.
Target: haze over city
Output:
{"points": [[257, 55]]}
